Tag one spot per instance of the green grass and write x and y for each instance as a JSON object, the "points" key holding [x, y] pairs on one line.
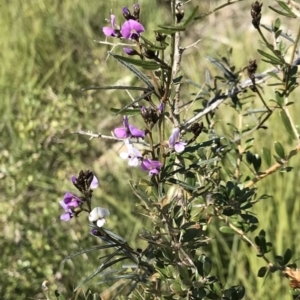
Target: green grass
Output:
{"points": [[47, 55]]}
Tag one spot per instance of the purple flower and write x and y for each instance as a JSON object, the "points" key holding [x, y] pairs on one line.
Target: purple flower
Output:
{"points": [[133, 155], [153, 166], [69, 201], [113, 30], [174, 141], [128, 131], [132, 29], [94, 183]]}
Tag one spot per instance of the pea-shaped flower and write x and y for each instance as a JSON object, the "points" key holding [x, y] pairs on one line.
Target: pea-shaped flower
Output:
{"points": [[153, 166], [174, 141], [131, 30], [69, 203], [98, 215], [128, 131]]}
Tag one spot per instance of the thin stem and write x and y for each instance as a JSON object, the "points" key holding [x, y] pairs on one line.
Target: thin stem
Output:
{"points": [[107, 137]]}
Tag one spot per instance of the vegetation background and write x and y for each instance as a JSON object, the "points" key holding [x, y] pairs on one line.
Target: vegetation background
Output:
{"points": [[47, 55]]}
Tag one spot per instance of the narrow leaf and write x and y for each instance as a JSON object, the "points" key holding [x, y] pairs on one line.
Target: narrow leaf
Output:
{"points": [[287, 256], [191, 16], [148, 65], [114, 87], [273, 59], [126, 112], [279, 150], [133, 69], [227, 230], [174, 29], [100, 269], [289, 15], [287, 124], [267, 156]]}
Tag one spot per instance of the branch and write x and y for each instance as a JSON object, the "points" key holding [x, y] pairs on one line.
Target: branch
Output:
{"points": [[273, 168]]}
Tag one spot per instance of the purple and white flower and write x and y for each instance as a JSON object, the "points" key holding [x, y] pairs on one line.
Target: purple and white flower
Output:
{"points": [[133, 155], [128, 131], [68, 203], [174, 142]]}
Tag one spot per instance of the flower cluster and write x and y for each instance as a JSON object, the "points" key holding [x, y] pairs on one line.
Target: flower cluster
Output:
{"points": [[74, 205], [131, 28]]}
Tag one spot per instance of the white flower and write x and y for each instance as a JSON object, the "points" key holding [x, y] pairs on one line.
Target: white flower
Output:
{"points": [[98, 215]]}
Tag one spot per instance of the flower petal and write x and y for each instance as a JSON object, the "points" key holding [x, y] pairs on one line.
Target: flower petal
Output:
{"points": [[130, 51], [124, 155], [131, 27], [121, 133], [174, 137], [149, 164], [135, 132], [108, 31], [179, 147], [65, 217], [94, 183], [101, 222], [113, 20], [73, 179], [98, 213], [133, 162]]}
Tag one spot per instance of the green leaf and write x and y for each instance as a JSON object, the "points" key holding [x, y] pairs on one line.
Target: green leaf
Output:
{"points": [[267, 156], [102, 267], [287, 256], [286, 8], [173, 29], [115, 87], [279, 98], [287, 123], [262, 272], [191, 16], [277, 24], [279, 149], [182, 184], [126, 112], [148, 65], [289, 14], [286, 36], [133, 69], [272, 59], [274, 75], [227, 230]]}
